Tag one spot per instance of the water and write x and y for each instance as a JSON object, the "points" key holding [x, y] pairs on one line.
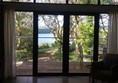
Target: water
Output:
{"points": [[45, 38]]}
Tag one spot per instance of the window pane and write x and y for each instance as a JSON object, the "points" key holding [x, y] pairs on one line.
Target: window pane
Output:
{"points": [[50, 42], [19, 0], [81, 43], [103, 35], [51, 1], [24, 42], [109, 2], [83, 1]]}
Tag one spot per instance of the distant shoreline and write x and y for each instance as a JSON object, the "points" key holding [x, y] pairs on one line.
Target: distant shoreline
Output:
{"points": [[45, 38]]}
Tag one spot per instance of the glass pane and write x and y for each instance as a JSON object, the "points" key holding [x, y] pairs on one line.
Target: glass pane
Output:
{"points": [[19, 0], [103, 35], [24, 42], [81, 43], [109, 2], [50, 42], [51, 1], [83, 1]]}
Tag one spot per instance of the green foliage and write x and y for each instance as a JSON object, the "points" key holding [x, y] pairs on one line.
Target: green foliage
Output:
{"points": [[24, 35], [83, 1], [86, 34], [72, 56], [23, 55], [81, 32], [88, 1], [102, 38], [58, 54], [106, 1], [44, 45], [71, 48]]}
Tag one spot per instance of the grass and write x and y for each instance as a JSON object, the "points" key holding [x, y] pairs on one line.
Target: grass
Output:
{"points": [[44, 50]]}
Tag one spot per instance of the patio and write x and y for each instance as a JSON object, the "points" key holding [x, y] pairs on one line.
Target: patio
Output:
{"points": [[25, 68]]}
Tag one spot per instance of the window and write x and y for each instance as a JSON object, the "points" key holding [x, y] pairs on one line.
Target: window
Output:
{"points": [[24, 42], [83, 1], [81, 43], [50, 43], [103, 35]]}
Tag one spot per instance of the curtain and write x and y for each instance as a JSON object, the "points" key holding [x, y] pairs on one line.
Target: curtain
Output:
{"points": [[9, 48], [115, 2], [113, 33]]}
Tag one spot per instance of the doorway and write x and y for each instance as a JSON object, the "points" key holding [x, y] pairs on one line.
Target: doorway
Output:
{"points": [[63, 44]]}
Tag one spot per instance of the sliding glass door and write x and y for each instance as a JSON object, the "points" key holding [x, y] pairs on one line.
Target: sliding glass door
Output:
{"points": [[50, 43], [23, 42], [65, 44], [103, 35], [81, 43]]}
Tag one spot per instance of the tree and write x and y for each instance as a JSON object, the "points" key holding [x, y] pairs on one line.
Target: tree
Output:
{"points": [[52, 1], [55, 24], [107, 1], [24, 35], [81, 31], [80, 28], [83, 1], [86, 33], [103, 30]]}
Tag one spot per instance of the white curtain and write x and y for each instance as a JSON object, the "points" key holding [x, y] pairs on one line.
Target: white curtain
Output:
{"points": [[115, 2], [113, 33], [9, 50]]}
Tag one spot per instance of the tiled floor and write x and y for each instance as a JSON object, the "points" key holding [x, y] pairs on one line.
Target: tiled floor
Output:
{"points": [[60, 79]]}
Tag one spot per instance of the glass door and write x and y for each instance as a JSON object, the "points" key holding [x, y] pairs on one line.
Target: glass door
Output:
{"points": [[50, 43], [65, 44], [81, 43], [103, 35]]}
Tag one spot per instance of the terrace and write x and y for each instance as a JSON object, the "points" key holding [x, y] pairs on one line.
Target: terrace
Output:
{"points": [[47, 64]]}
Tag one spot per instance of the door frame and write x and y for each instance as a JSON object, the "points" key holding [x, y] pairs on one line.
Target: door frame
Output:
{"points": [[65, 61]]}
